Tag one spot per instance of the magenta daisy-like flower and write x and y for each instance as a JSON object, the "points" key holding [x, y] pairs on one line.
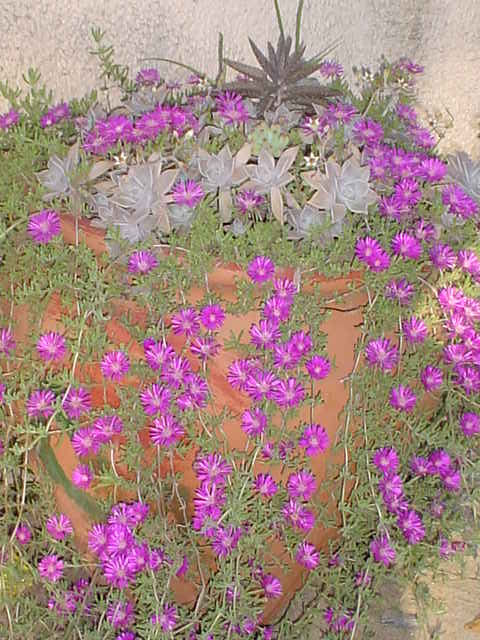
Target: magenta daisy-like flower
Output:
{"points": [[298, 515], [265, 334], [470, 423], [314, 439], [261, 269], [415, 330], [77, 402], [318, 367], [400, 290], [451, 479], [386, 460], [105, 427], [231, 108], [40, 403], [212, 468], [44, 226], [424, 231], [468, 377], [382, 551], [166, 431], [82, 476], [176, 370], [120, 614], [204, 347], [262, 385], [285, 357], [155, 399], [469, 262], [238, 373], [23, 534], [406, 246], [59, 527], [142, 262], [367, 132], [307, 555], [208, 500], [157, 354], [402, 398], [272, 587], [451, 299], [9, 119], [289, 393], [301, 484], [432, 170], [408, 192], [276, 309], [420, 466], [118, 571], [301, 343], [248, 200], [7, 342], [412, 526], [51, 568], [51, 346], [431, 378], [382, 354], [188, 193], [369, 251], [331, 69], [98, 538], [212, 317], [442, 256], [265, 485], [186, 322], [391, 486], [458, 202], [225, 540], [167, 619], [115, 365], [254, 422], [394, 208], [148, 76]]}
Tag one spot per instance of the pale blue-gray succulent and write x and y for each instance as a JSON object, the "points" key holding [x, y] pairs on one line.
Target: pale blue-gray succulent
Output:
{"points": [[310, 223], [57, 179], [465, 172]]}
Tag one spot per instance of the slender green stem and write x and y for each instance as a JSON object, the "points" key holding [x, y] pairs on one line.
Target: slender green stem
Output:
{"points": [[299, 25], [279, 19]]}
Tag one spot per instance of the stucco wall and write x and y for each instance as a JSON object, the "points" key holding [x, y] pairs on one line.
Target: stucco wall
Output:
{"points": [[444, 35]]}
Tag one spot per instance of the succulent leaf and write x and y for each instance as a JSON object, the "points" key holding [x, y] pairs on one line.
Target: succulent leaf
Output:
{"points": [[465, 172]]}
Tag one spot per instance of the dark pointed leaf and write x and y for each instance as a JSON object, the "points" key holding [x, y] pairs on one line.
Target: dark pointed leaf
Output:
{"points": [[262, 60], [246, 69]]}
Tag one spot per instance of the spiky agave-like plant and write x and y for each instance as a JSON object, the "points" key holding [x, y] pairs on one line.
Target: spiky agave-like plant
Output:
{"points": [[283, 76]]}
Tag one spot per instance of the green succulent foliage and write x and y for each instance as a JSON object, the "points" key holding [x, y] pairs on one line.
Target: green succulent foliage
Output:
{"points": [[270, 138], [283, 76]]}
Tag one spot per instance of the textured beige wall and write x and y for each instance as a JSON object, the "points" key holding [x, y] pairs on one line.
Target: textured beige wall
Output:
{"points": [[444, 35]]}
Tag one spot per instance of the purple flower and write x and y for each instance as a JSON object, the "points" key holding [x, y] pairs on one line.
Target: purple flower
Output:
{"points": [[415, 330], [391, 486], [451, 299], [166, 431], [285, 357], [408, 192], [339, 113], [424, 231], [394, 208], [7, 343], [382, 551], [400, 290], [367, 132], [382, 354], [439, 462], [231, 108], [289, 393], [82, 476], [276, 309], [148, 76], [254, 422], [208, 500], [117, 571], [458, 202], [442, 256], [238, 373], [298, 516], [468, 378], [470, 423], [9, 119], [406, 246], [261, 269], [158, 355], [51, 568], [77, 402], [307, 555], [265, 335], [23, 534], [40, 403], [59, 527], [98, 538], [420, 466], [115, 365], [212, 317], [432, 170], [155, 399], [272, 586], [370, 251], [44, 226], [301, 343], [204, 347], [469, 262], [120, 614], [451, 479], [51, 346], [285, 289], [167, 619], [248, 199], [186, 322], [225, 540], [386, 460], [431, 378], [142, 262], [301, 484], [188, 193], [412, 526], [105, 427], [265, 485], [262, 384], [314, 439], [402, 398], [331, 69], [2, 391], [212, 468], [176, 370]]}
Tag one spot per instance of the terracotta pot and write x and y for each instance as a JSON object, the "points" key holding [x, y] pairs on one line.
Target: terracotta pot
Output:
{"points": [[342, 326]]}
